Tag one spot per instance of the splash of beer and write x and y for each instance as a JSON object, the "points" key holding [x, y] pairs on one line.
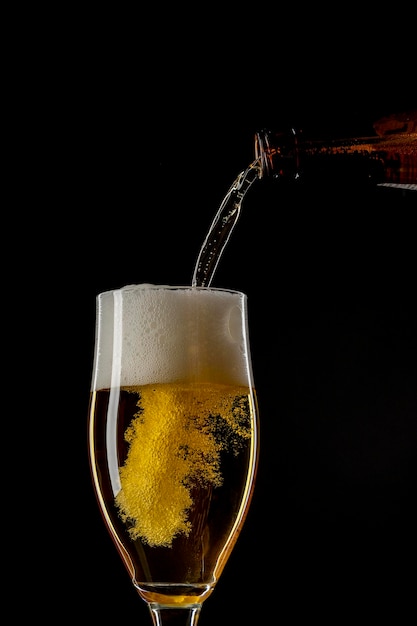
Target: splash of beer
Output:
{"points": [[175, 442]]}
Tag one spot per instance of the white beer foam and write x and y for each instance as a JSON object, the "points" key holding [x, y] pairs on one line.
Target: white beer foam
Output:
{"points": [[156, 334]]}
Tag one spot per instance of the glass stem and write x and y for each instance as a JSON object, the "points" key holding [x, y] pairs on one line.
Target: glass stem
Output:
{"points": [[169, 616]]}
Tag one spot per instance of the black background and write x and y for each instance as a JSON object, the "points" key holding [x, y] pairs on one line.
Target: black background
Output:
{"points": [[141, 142]]}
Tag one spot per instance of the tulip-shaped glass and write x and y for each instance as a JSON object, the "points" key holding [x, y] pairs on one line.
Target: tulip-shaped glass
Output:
{"points": [[173, 437]]}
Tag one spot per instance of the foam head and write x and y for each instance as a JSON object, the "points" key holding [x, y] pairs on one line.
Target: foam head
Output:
{"points": [[149, 334]]}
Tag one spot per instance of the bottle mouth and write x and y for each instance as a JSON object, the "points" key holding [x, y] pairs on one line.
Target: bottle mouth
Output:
{"points": [[263, 152], [276, 152]]}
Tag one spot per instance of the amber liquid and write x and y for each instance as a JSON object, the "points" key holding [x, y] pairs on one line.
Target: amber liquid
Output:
{"points": [[174, 468]]}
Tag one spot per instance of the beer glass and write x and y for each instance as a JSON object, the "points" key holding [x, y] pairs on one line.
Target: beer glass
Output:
{"points": [[173, 437]]}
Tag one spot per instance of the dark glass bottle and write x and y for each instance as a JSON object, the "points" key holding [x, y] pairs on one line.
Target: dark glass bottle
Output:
{"points": [[386, 158]]}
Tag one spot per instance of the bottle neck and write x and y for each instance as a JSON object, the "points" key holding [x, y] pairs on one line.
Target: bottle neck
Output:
{"points": [[293, 157]]}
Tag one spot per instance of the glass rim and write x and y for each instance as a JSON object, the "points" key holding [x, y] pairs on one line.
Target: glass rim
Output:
{"points": [[162, 287]]}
